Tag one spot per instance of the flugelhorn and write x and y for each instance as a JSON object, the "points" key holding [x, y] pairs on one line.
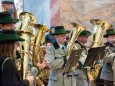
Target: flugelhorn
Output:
{"points": [[77, 29]]}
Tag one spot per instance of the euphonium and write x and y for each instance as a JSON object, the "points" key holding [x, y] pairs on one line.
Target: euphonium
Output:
{"points": [[42, 29], [27, 20], [100, 27], [76, 31]]}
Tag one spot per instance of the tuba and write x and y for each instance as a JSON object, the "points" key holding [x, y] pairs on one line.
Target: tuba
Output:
{"points": [[41, 30], [38, 48], [100, 27], [76, 31], [27, 21]]}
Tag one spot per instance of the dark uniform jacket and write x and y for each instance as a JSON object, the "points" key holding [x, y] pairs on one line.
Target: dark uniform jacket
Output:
{"points": [[9, 75]]}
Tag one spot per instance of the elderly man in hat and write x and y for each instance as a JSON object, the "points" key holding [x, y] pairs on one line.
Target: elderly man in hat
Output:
{"points": [[56, 58], [107, 71], [80, 76], [7, 21]]}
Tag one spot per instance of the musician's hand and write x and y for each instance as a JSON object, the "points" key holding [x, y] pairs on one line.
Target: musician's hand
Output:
{"points": [[30, 78], [75, 67], [111, 55], [67, 57], [45, 63], [41, 66], [114, 83], [42, 85]]}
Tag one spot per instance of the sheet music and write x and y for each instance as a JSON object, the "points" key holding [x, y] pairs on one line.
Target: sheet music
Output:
{"points": [[73, 60]]}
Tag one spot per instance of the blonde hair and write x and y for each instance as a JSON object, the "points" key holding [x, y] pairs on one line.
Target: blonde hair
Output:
{"points": [[7, 48]]}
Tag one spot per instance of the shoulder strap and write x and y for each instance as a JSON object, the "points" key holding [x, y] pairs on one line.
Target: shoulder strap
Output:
{"points": [[4, 63]]}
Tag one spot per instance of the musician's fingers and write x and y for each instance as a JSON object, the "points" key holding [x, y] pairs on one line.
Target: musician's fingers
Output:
{"points": [[28, 73]]}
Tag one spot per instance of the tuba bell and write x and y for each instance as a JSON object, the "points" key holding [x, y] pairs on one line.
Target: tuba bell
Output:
{"points": [[100, 27], [27, 19], [76, 31]]}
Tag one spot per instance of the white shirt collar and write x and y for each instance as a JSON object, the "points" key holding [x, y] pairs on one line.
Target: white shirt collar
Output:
{"points": [[61, 45]]}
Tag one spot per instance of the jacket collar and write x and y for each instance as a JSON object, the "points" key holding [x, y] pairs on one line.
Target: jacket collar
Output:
{"points": [[56, 45], [82, 46], [109, 44]]}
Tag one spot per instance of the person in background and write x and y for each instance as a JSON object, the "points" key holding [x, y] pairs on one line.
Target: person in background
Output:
{"points": [[49, 37], [9, 75], [107, 73], [9, 6], [7, 21]]}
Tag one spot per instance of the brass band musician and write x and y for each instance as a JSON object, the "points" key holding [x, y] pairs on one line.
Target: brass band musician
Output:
{"points": [[79, 74], [56, 58], [42, 78], [107, 70]]}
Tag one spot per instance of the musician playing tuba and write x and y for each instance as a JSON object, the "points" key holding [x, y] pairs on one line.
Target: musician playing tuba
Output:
{"points": [[76, 76], [42, 78], [79, 73], [107, 73], [100, 26]]}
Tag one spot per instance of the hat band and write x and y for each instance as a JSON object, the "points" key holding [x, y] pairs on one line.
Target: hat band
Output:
{"points": [[9, 36], [60, 31], [7, 19]]}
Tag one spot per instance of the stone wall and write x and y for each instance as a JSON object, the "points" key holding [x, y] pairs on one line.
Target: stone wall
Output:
{"points": [[82, 11]]}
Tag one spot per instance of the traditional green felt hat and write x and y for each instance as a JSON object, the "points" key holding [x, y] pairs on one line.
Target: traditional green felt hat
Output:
{"points": [[109, 32], [9, 35], [85, 33], [6, 18], [60, 30]]}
